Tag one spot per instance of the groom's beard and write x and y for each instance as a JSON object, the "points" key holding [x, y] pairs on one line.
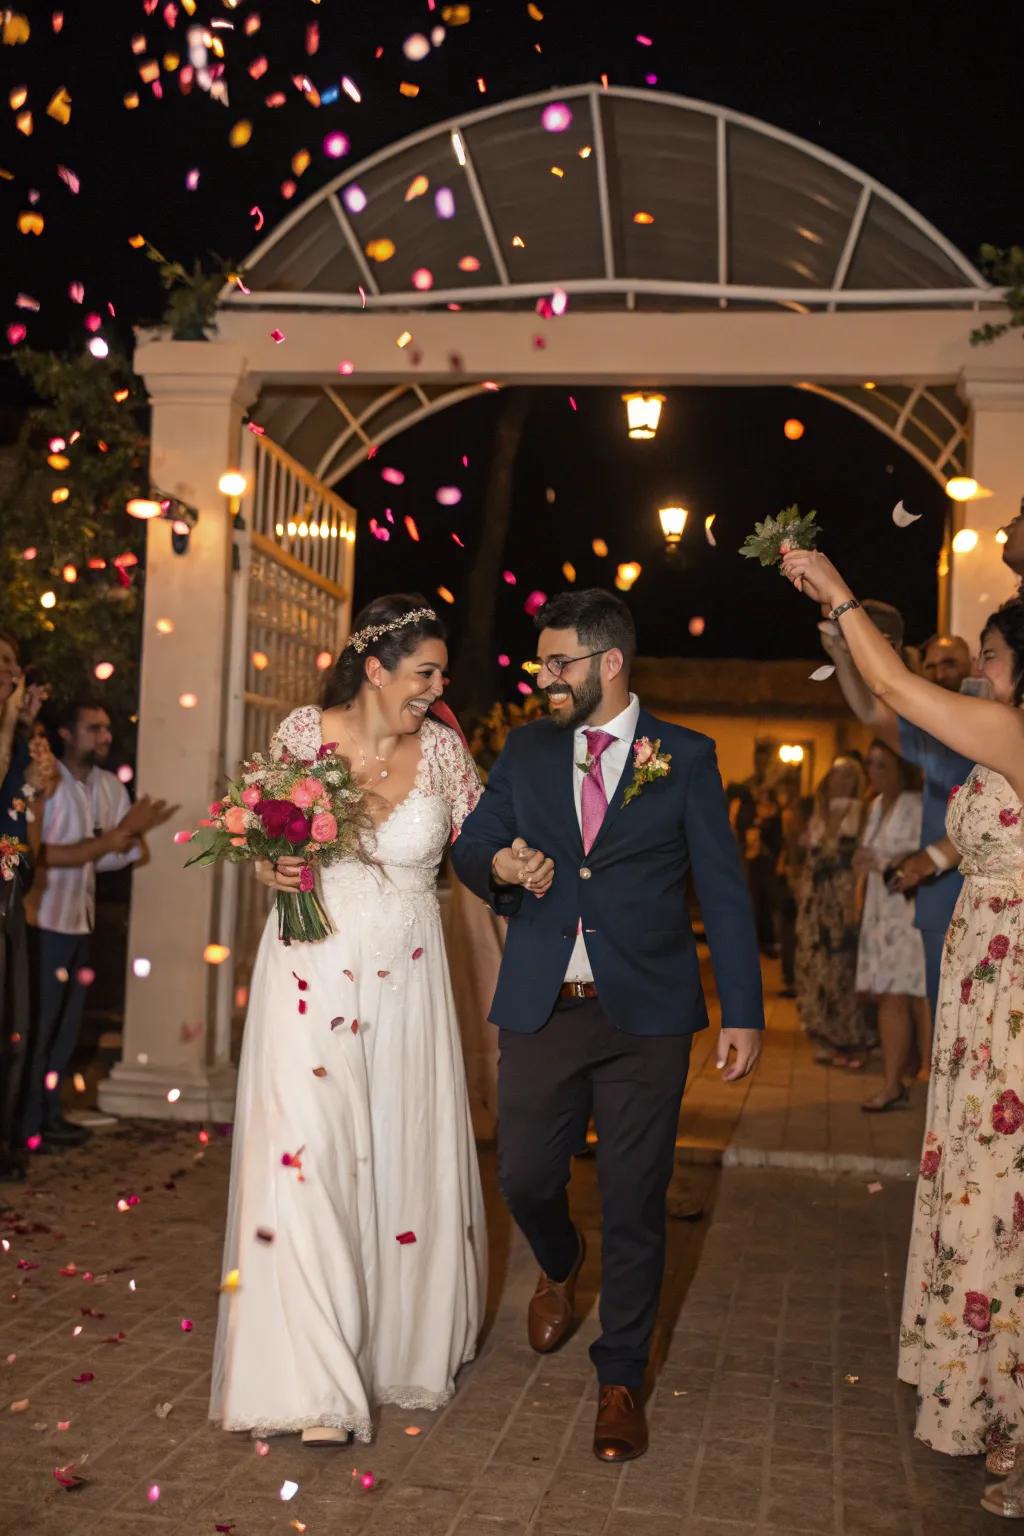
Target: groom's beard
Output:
{"points": [[580, 702]]}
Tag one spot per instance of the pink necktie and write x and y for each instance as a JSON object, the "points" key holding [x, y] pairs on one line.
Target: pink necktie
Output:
{"points": [[593, 800]]}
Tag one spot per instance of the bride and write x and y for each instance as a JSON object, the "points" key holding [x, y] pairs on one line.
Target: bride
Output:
{"points": [[355, 1216]]}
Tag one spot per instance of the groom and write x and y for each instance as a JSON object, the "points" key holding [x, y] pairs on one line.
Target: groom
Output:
{"points": [[584, 841]]}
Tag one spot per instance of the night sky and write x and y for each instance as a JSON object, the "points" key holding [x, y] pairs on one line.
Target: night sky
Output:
{"points": [[927, 102]]}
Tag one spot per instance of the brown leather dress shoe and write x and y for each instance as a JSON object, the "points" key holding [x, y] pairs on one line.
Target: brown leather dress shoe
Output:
{"points": [[620, 1433], [551, 1307]]}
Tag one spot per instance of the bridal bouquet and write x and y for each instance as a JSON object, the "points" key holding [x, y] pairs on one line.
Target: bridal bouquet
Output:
{"points": [[287, 807], [776, 536]]}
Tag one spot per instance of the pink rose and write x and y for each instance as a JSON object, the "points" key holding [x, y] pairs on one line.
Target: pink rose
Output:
{"points": [[643, 752], [234, 818], [930, 1163], [999, 947], [324, 827], [977, 1311], [1008, 818], [306, 879], [306, 793], [965, 990], [251, 797], [1007, 1113], [238, 842]]}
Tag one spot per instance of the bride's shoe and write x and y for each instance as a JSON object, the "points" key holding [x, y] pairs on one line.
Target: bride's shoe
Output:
{"points": [[320, 1435]]}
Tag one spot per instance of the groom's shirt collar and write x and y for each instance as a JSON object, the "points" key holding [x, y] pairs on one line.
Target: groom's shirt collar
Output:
{"points": [[623, 726]]}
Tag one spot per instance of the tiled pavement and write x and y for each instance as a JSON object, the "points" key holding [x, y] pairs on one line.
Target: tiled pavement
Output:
{"points": [[775, 1409], [792, 1112]]}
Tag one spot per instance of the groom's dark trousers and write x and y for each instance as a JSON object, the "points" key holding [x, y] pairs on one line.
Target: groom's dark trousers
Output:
{"points": [[623, 1054]]}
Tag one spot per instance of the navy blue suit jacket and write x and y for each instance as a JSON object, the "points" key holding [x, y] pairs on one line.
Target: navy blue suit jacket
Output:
{"points": [[630, 890]]}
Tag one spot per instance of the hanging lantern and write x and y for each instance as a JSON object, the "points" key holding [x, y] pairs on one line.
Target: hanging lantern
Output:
{"points": [[673, 524], [643, 413], [965, 488]]}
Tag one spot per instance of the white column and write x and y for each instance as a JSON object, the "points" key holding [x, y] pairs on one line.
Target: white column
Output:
{"points": [[199, 391], [980, 581]]}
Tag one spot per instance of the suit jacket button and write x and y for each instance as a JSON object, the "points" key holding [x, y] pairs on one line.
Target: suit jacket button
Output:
{"points": [[584, 873]]}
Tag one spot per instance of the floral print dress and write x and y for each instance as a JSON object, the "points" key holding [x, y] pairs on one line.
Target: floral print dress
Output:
{"points": [[962, 1335]]}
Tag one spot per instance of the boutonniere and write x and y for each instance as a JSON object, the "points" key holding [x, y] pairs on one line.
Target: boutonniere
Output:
{"points": [[649, 763]]}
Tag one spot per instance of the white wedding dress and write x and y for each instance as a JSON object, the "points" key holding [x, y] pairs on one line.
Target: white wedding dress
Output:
{"points": [[355, 1215]]}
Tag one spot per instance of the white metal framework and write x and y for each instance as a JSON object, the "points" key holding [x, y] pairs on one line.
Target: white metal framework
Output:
{"points": [[736, 212], [644, 202], [291, 602]]}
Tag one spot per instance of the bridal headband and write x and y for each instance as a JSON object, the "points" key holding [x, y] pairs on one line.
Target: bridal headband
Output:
{"points": [[364, 637]]}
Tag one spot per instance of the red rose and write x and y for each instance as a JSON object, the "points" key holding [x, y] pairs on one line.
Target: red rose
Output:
{"points": [[999, 947], [959, 1048], [275, 815], [1007, 1113], [977, 1311], [930, 1163], [1008, 818], [954, 791], [297, 829], [965, 990], [996, 905]]}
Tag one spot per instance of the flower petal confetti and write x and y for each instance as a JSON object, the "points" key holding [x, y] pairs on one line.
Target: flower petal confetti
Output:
{"points": [[822, 674], [902, 518]]}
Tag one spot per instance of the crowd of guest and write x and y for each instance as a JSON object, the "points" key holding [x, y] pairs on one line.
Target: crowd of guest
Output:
{"points": [[854, 885], [64, 818]]}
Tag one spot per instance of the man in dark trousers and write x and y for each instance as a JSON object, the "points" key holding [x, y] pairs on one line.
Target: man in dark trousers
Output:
{"points": [[590, 823]]}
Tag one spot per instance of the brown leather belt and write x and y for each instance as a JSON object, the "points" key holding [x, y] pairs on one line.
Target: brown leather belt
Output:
{"points": [[578, 989]]}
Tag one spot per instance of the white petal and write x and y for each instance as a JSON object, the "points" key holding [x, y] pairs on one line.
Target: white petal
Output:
{"points": [[902, 518], [822, 674]]}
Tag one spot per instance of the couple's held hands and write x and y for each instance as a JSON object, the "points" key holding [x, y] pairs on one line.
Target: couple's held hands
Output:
{"points": [[747, 1045], [523, 865], [813, 573]]}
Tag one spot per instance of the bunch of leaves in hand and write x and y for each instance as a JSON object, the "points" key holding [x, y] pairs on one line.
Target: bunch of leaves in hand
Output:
{"points": [[776, 536]]}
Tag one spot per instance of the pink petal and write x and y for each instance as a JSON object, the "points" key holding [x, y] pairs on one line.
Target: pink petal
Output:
{"points": [[405, 1237], [416, 953]]}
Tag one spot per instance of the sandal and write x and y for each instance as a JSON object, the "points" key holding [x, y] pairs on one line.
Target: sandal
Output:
{"points": [[900, 1100], [1000, 1500], [319, 1436]]}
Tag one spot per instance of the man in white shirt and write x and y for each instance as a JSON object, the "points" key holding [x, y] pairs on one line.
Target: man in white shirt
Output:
{"points": [[89, 825]]}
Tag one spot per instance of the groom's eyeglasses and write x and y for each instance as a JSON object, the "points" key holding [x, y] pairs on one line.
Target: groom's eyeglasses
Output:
{"points": [[556, 665]]}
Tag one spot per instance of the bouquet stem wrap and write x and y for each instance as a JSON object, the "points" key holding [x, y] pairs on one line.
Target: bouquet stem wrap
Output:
{"points": [[301, 917]]}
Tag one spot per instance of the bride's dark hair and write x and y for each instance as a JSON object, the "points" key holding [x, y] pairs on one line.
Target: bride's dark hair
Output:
{"points": [[1008, 621], [349, 671]]}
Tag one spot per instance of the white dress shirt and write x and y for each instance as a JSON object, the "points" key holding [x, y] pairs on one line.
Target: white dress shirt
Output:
{"points": [[64, 900], [613, 761]]}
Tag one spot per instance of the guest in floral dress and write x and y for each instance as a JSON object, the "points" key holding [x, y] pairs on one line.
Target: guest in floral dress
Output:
{"points": [[962, 1339], [827, 923], [890, 959]]}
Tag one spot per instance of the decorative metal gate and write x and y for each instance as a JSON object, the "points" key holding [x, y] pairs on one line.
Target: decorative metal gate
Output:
{"points": [[291, 604]]}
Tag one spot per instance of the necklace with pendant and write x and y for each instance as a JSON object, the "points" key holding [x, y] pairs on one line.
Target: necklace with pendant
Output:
{"points": [[362, 762]]}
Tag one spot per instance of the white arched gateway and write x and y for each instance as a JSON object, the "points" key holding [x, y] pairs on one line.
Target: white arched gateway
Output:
{"points": [[694, 245]]}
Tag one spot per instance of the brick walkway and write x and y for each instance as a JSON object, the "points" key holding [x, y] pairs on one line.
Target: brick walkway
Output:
{"points": [[792, 1112], [787, 1290]]}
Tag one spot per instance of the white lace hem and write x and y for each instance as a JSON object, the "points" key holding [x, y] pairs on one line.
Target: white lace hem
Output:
{"points": [[362, 1428]]}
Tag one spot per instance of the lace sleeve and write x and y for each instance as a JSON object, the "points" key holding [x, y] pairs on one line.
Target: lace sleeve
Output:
{"points": [[298, 734], [457, 781]]}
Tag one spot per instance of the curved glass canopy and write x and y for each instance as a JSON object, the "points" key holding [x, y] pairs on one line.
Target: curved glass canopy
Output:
{"points": [[637, 199]]}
